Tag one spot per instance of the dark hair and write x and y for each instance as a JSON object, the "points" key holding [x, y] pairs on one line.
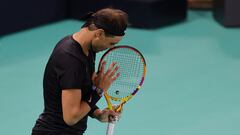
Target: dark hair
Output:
{"points": [[112, 21]]}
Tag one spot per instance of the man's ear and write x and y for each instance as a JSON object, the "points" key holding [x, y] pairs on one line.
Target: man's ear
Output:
{"points": [[99, 33]]}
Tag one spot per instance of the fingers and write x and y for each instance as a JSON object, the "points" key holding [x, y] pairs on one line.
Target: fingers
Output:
{"points": [[115, 77], [113, 119], [113, 116], [113, 113], [94, 76], [112, 69], [102, 67], [111, 72], [104, 80]]}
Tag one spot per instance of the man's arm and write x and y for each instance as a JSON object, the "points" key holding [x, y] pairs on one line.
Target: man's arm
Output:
{"points": [[74, 109]]}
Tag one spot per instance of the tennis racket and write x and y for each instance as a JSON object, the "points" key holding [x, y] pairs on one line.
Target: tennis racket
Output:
{"points": [[132, 69]]}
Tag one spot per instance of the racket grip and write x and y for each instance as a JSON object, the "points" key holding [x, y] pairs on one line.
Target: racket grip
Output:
{"points": [[110, 128]]}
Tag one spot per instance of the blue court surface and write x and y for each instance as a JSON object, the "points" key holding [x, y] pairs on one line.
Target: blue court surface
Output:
{"points": [[192, 84]]}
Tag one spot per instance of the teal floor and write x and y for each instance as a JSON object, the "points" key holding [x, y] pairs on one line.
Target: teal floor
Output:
{"points": [[192, 85]]}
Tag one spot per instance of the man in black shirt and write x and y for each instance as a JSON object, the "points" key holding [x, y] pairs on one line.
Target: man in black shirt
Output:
{"points": [[71, 86]]}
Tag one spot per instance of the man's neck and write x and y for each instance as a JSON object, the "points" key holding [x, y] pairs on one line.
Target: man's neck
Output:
{"points": [[83, 39]]}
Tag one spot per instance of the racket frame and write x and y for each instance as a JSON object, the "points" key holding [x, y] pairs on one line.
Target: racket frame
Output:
{"points": [[125, 99]]}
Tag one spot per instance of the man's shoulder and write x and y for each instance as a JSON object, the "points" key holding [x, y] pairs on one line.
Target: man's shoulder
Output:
{"points": [[67, 48]]}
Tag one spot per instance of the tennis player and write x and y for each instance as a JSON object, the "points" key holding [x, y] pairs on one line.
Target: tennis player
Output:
{"points": [[71, 88]]}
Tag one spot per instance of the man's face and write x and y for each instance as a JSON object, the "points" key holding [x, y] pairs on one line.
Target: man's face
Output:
{"points": [[102, 42]]}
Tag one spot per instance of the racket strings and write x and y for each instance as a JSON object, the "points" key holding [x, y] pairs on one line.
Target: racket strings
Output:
{"points": [[131, 68]]}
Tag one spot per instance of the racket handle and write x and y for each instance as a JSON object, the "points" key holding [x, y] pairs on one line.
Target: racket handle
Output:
{"points": [[110, 128]]}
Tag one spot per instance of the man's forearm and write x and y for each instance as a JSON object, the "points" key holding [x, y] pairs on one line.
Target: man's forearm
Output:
{"points": [[77, 114]]}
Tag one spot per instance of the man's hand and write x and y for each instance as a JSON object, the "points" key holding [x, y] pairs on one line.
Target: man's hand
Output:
{"points": [[107, 115], [103, 79]]}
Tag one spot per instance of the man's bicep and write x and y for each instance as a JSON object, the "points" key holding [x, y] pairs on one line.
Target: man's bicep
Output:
{"points": [[71, 97]]}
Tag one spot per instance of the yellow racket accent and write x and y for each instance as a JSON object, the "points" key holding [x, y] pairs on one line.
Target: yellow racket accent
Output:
{"points": [[119, 107]]}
